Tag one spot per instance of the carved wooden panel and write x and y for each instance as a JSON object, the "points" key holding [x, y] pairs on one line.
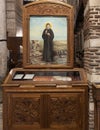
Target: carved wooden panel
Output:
{"points": [[65, 111], [31, 105], [26, 110], [49, 9], [49, 109], [96, 96]]}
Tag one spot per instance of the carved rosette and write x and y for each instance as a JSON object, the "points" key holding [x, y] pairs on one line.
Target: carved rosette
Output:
{"points": [[64, 111], [26, 111]]}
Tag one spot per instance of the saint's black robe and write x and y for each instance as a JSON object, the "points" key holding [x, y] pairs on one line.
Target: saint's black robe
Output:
{"points": [[48, 45]]}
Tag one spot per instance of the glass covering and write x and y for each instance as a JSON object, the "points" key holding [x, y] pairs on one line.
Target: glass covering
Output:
{"points": [[47, 76]]}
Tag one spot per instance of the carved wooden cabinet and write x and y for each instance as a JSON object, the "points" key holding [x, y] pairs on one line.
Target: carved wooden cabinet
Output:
{"points": [[45, 94], [45, 105], [96, 93]]}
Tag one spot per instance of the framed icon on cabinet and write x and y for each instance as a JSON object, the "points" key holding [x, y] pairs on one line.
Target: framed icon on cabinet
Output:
{"points": [[48, 37]]}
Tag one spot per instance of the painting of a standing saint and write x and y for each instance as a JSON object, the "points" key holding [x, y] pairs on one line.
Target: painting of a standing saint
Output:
{"points": [[48, 40]]}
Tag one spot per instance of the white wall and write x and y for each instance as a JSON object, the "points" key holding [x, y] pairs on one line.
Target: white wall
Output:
{"points": [[94, 2]]}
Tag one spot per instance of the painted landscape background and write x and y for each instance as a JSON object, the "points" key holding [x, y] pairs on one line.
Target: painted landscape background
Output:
{"points": [[60, 30], [59, 52]]}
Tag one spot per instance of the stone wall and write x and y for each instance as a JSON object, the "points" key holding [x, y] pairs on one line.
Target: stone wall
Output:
{"points": [[92, 51], [14, 17], [92, 43], [92, 23], [92, 60]]}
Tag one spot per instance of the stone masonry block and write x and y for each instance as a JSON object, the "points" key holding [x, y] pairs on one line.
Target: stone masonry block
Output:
{"points": [[10, 6]]}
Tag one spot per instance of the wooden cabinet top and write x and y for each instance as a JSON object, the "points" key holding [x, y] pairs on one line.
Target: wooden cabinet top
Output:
{"points": [[46, 76]]}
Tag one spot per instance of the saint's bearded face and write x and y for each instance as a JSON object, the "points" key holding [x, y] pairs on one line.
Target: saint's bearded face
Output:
{"points": [[48, 26]]}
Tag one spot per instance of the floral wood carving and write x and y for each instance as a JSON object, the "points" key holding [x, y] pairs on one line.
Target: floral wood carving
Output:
{"points": [[26, 110], [48, 9], [64, 110]]}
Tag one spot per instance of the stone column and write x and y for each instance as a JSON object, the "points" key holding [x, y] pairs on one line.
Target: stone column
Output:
{"points": [[92, 50], [14, 17], [3, 45]]}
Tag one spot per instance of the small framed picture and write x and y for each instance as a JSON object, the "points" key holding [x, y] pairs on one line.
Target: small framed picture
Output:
{"points": [[18, 76], [28, 76]]}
